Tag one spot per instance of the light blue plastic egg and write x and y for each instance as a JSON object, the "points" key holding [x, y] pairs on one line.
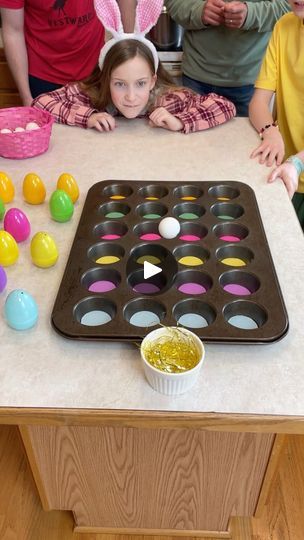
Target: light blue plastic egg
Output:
{"points": [[21, 311]]}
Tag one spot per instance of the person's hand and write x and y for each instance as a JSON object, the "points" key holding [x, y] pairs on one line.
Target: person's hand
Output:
{"points": [[271, 150], [160, 117], [288, 174], [213, 12], [102, 121], [27, 101], [235, 14]]}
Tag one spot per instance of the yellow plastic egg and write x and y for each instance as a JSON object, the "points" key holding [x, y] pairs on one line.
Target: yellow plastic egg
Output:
{"points": [[68, 183], [33, 188], [9, 251], [44, 251], [7, 190]]}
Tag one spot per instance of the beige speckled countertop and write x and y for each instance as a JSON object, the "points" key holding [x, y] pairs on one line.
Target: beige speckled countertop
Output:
{"points": [[39, 368]]}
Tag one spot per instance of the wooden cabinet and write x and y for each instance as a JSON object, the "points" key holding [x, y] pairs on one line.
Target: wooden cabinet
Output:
{"points": [[9, 96], [148, 481]]}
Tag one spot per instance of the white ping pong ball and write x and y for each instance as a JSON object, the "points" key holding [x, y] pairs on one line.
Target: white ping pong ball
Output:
{"points": [[169, 227]]}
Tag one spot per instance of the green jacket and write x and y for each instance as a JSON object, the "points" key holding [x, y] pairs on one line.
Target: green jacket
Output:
{"points": [[221, 56]]}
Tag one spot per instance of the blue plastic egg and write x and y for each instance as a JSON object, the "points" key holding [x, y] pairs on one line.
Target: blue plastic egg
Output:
{"points": [[21, 311]]}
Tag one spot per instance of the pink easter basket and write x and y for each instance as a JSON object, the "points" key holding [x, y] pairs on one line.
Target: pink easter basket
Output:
{"points": [[25, 144]]}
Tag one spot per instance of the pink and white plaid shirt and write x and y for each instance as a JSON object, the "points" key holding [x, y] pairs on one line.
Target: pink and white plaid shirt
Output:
{"points": [[72, 107]]}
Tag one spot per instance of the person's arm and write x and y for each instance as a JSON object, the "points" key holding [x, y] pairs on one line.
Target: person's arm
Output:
{"points": [[127, 10], [188, 14], [289, 172], [15, 50], [67, 104], [271, 149], [262, 16], [196, 112]]}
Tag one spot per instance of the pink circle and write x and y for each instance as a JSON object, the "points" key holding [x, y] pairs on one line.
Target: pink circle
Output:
{"points": [[189, 238], [238, 290], [146, 288], [110, 237], [192, 288], [102, 286], [230, 238], [150, 237]]}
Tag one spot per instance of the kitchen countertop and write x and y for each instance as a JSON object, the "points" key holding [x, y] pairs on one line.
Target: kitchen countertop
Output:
{"points": [[39, 368]]}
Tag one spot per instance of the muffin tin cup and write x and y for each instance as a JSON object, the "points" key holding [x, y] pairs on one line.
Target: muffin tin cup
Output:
{"points": [[222, 285]]}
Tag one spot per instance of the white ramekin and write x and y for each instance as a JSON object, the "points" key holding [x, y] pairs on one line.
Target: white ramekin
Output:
{"points": [[171, 383]]}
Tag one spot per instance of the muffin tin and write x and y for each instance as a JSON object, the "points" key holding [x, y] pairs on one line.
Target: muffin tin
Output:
{"points": [[217, 277]]}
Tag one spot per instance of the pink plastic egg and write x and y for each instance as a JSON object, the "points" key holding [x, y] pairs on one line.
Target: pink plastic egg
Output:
{"points": [[17, 224]]}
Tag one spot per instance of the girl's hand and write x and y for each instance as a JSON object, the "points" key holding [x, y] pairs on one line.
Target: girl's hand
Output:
{"points": [[160, 117], [271, 150], [102, 121], [288, 174]]}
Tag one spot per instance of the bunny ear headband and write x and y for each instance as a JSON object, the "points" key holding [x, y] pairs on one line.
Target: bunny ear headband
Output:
{"points": [[147, 13]]}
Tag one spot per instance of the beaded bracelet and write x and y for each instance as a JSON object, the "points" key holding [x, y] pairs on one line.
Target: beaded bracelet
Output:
{"points": [[274, 124], [297, 162]]}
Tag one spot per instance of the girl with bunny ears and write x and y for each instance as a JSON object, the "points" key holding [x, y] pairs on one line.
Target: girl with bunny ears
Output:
{"points": [[129, 81]]}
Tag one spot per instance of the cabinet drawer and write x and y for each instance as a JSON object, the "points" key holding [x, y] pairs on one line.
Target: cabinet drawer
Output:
{"points": [[9, 99], [6, 80]]}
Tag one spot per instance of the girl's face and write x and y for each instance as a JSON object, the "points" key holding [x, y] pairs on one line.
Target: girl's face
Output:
{"points": [[297, 7], [130, 86]]}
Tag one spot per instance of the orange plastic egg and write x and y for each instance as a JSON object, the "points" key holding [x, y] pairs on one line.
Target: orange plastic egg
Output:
{"points": [[68, 183], [7, 190], [34, 191], [9, 252]]}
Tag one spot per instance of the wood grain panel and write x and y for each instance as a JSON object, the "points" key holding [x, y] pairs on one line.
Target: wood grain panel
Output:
{"points": [[152, 479]]}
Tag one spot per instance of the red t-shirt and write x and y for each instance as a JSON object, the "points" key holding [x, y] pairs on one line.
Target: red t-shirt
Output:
{"points": [[63, 37]]}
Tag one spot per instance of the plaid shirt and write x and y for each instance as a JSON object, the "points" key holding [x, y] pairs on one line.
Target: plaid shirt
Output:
{"points": [[72, 107]]}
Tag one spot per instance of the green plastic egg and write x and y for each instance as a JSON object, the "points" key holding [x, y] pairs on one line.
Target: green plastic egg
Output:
{"points": [[2, 209], [61, 206]]}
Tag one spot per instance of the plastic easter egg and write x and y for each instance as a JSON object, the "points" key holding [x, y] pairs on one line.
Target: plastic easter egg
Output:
{"points": [[6, 130], [2, 209], [61, 206], [33, 188], [3, 279], [20, 310], [9, 251], [7, 190], [44, 251], [68, 183], [17, 224], [31, 126]]}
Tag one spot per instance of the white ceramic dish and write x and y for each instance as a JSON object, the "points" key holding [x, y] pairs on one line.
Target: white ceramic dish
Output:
{"points": [[171, 383]]}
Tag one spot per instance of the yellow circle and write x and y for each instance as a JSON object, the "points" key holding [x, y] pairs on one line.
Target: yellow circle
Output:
{"points": [[152, 198], [68, 183], [223, 198], [33, 188], [148, 258], [107, 259], [233, 261], [188, 198], [117, 197], [191, 261], [7, 190]]}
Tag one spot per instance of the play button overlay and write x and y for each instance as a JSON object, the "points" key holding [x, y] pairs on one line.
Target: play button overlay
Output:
{"points": [[150, 270]]}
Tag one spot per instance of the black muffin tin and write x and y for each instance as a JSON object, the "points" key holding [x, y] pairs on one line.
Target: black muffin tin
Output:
{"points": [[223, 210]]}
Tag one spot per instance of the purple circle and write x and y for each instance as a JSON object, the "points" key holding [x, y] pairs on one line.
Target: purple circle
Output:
{"points": [[192, 288], [230, 238], [189, 238], [146, 288], [238, 290], [102, 286], [110, 236], [150, 236]]}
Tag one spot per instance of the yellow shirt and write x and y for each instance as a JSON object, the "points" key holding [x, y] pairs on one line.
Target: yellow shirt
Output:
{"points": [[282, 71]]}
